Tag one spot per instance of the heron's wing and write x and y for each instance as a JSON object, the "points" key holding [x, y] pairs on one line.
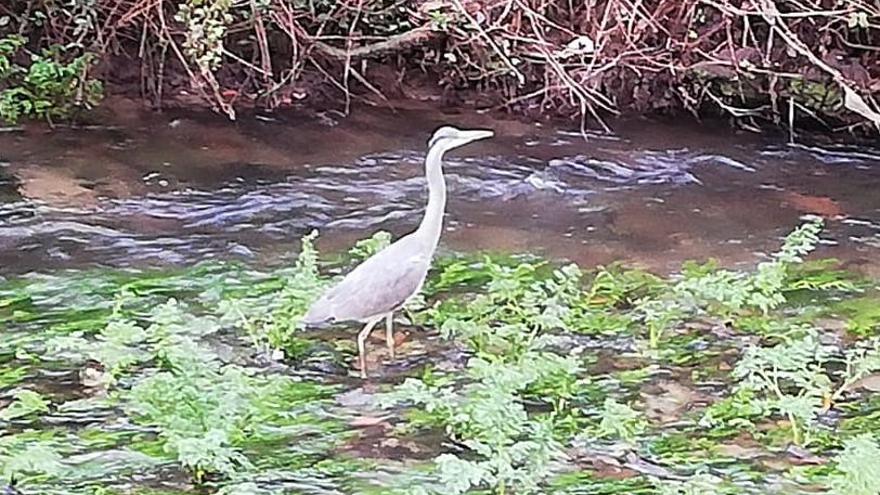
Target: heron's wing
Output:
{"points": [[378, 286]]}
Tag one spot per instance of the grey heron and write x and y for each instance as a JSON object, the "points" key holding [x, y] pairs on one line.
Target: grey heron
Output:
{"points": [[384, 283]]}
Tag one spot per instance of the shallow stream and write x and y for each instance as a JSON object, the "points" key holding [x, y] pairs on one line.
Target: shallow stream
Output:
{"points": [[172, 191]]}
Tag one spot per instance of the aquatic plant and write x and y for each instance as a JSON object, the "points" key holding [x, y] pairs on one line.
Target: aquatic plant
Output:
{"points": [[365, 248], [514, 451], [555, 388], [198, 415], [34, 460], [620, 421], [206, 413], [272, 319], [203, 409], [792, 377], [706, 289], [857, 470], [25, 402], [699, 484], [862, 314], [524, 305]]}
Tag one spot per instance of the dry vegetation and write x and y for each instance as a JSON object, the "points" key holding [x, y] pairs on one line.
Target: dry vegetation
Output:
{"points": [[783, 62]]}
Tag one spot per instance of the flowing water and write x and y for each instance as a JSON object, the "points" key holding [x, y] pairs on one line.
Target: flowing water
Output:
{"points": [[174, 190], [168, 190]]}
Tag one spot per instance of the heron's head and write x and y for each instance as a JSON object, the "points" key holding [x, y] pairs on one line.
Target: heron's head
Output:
{"points": [[448, 137]]}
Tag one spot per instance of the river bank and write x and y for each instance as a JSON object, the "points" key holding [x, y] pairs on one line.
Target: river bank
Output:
{"points": [[782, 65]]}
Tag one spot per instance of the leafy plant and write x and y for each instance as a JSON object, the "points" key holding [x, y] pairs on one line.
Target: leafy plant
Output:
{"points": [[705, 289], [862, 314], [734, 414], [203, 409], [24, 456], [513, 449], [198, 405], [25, 402], [699, 484], [513, 416], [206, 22], [858, 472], [271, 321], [53, 85], [792, 377], [620, 421], [115, 347], [365, 248], [729, 292], [504, 327], [200, 410]]}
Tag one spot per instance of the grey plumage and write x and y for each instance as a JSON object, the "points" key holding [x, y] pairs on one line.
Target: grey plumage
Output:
{"points": [[383, 283], [378, 288]]}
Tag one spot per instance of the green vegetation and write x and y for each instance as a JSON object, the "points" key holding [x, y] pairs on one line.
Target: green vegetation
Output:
{"points": [[793, 377], [48, 85], [24, 402], [710, 381], [857, 471]]}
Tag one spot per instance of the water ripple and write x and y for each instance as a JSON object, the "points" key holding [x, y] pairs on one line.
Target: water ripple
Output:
{"points": [[379, 190]]}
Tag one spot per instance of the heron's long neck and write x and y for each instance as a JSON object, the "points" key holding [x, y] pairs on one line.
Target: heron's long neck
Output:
{"points": [[432, 223]]}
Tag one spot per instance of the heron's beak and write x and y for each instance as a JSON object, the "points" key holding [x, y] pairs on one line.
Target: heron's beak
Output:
{"points": [[475, 135]]}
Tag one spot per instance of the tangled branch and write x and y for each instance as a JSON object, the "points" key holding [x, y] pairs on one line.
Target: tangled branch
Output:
{"points": [[782, 61]]}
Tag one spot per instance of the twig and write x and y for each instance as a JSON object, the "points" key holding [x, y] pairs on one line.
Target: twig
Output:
{"points": [[520, 77], [852, 100], [347, 69], [394, 43], [262, 43]]}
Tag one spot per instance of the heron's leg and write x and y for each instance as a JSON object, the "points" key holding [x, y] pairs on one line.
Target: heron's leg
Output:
{"points": [[362, 341], [389, 334]]}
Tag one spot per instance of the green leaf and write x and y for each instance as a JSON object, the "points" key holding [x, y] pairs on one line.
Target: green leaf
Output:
{"points": [[25, 402], [620, 421], [858, 472]]}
